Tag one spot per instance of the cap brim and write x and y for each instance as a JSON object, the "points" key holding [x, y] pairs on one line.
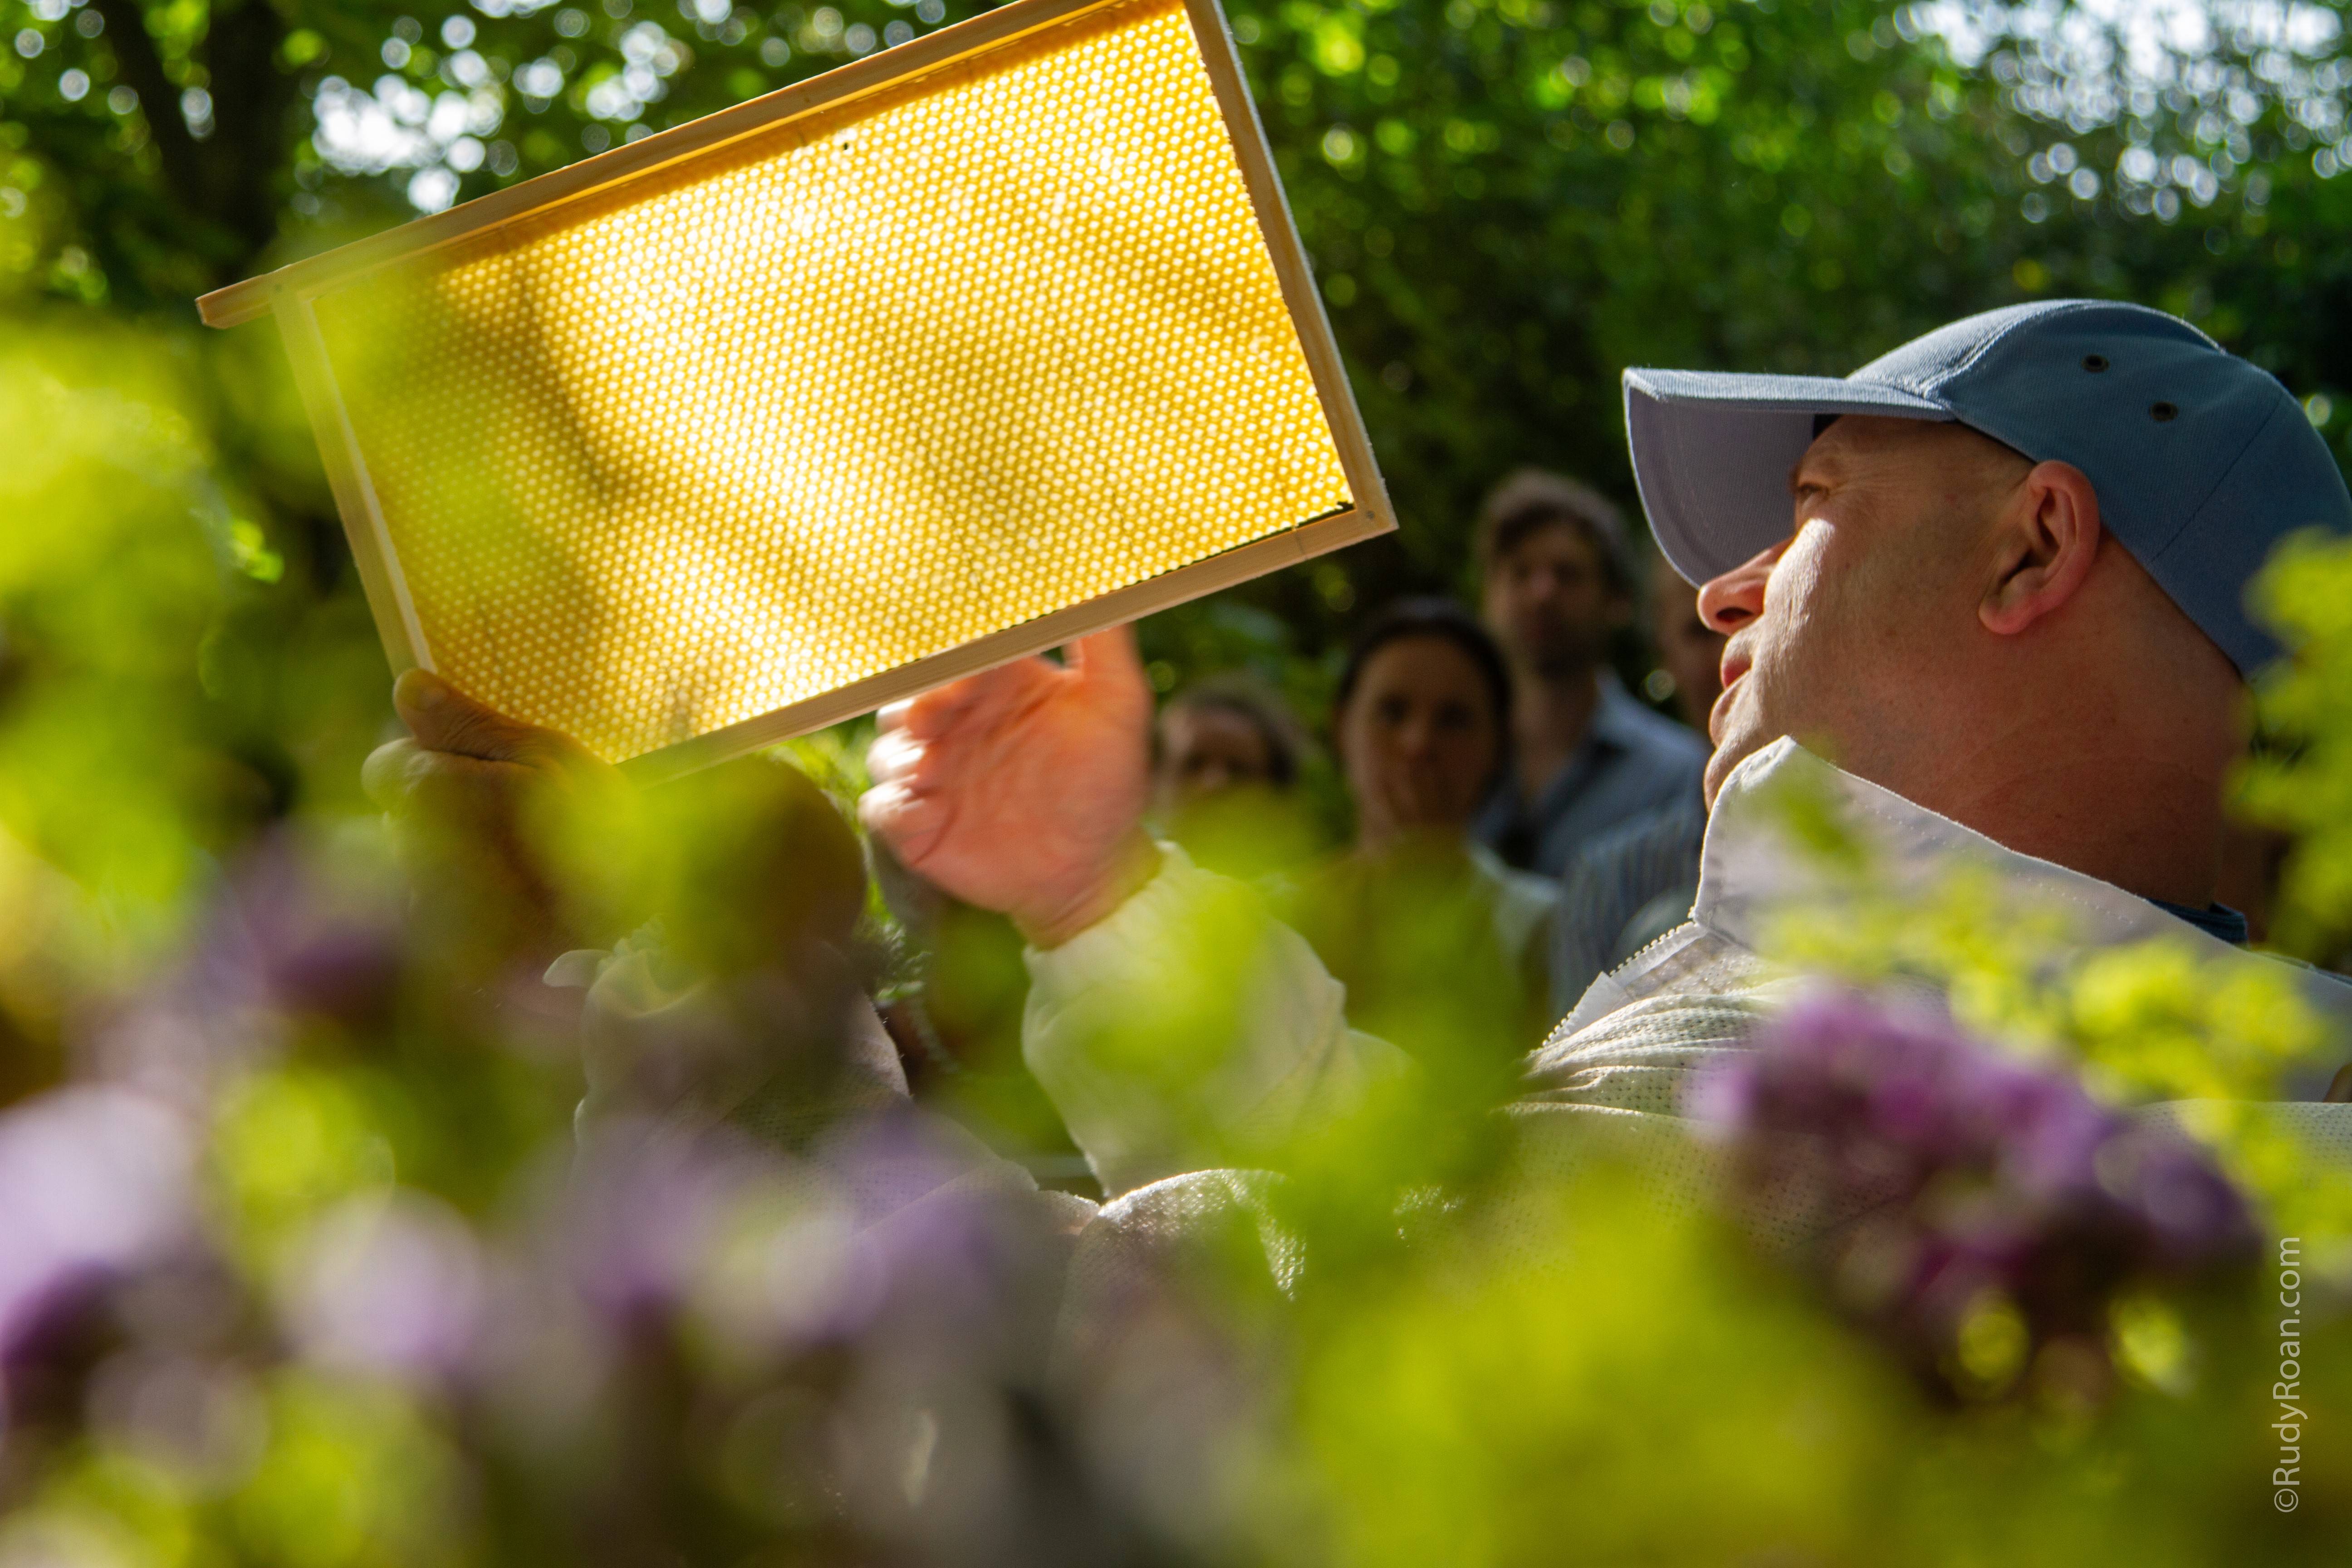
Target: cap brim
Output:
{"points": [[1712, 452]]}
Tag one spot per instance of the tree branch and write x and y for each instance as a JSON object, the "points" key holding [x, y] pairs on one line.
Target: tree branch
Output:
{"points": [[142, 70], [252, 96]]}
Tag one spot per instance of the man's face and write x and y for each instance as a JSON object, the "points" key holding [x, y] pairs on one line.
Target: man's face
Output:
{"points": [[1548, 602], [1841, 635]]}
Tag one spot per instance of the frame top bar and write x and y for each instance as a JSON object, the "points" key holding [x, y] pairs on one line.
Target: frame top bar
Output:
{"points": [[251, 300]]}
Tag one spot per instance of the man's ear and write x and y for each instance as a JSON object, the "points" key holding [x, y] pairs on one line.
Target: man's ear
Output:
{"points": [[2045, 538]]}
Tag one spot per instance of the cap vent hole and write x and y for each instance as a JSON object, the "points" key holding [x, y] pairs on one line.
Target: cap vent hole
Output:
{"points": [[2095, 364], [2163, 413]]}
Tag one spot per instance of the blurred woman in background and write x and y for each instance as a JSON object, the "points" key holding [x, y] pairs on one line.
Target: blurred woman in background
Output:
{"points": [[1441, 946]]}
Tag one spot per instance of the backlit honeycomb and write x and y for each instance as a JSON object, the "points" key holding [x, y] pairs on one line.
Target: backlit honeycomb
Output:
{"points": [[873, 383]]}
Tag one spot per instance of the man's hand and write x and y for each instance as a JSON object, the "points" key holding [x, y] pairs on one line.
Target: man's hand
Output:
{"points": [[491, 814], [1022, 789], [462, 751]]}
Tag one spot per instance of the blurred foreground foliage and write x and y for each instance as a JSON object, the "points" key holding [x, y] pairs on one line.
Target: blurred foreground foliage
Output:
{"points": [[305, 1263], [308, 1267]]}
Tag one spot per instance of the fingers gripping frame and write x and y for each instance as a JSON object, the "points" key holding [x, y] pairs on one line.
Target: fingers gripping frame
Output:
{"points": [[998, 338]]}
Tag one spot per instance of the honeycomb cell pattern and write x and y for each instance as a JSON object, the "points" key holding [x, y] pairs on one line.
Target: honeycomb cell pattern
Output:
{"points": [[861, 388]]}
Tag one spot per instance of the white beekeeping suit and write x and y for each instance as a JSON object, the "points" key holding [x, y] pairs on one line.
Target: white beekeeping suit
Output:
{"points": [[1630, 1044]]}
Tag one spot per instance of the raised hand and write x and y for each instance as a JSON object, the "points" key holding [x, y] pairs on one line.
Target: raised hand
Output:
{"points": [[1022, 789], [494, 818], [461, 748]]}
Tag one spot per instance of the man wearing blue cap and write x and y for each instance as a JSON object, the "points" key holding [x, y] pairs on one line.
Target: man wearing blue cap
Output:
{"points": [[1984, 598], [2009, 604], [1995, 581]]}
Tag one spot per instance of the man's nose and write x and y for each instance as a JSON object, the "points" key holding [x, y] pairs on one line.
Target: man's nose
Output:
{"points": [[1731, 600]]}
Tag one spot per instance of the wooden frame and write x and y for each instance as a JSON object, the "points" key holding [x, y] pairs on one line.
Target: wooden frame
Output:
{"points": [[288, 293]]}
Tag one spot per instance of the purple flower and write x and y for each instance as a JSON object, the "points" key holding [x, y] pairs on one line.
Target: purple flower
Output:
{"points": [[309, 935], [390, 1282], [1927, 1173], [646, 1208], [942, 1237], [93, 1186], [92, 1181], [889, 1222], [285, 931]]}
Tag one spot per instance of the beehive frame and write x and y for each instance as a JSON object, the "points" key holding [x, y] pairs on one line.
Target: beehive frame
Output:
{"points": [[288, 295]]}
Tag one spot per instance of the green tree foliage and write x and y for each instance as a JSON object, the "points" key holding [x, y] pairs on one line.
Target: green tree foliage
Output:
{"points": [[162, 150], [2303, 784], [1509, 203], [1508, 200], [407, 1319]]}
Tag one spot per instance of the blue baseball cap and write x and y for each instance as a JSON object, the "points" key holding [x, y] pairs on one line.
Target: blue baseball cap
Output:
{"points": [[2201, 461]]}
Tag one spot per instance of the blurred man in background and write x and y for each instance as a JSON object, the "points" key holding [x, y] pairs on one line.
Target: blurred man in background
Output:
{"points": [[1690, 651], [1634, 883], [1586, 755]]}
